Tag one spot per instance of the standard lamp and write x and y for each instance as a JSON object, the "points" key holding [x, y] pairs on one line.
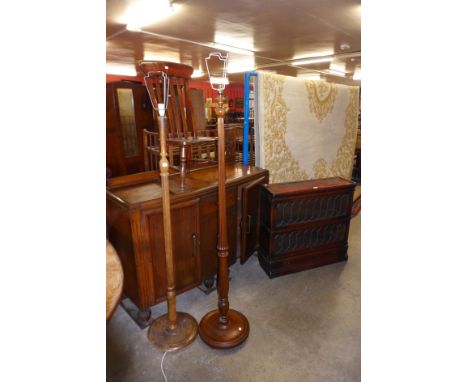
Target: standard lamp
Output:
{"points": [[222, 327], [173, 330]]}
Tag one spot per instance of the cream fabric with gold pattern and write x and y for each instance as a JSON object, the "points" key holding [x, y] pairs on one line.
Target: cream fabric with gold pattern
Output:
{"points": [[305, 129]]}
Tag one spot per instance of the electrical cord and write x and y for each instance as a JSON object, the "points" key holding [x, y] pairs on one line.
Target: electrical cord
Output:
{"points": [[162, 370]]}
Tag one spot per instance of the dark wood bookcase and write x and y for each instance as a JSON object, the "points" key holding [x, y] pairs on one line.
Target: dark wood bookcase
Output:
{"points": [[304, 224]]}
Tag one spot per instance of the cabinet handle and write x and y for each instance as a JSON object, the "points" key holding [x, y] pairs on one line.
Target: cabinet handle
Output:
{"points": [[249, 223], [194, 245]]}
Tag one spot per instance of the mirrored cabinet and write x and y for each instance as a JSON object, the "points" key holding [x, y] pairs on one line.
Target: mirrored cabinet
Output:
{"points": [[129, 112]]}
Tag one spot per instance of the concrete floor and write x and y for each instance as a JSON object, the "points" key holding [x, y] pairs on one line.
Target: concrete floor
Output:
{"points": [[303, 327]]}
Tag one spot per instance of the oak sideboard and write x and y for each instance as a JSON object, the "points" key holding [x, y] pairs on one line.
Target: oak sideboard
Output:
{"points": [[135, 229]]}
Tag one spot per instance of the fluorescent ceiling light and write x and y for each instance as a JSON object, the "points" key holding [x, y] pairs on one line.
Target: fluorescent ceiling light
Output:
{"points": [[309, 76], [121, 69], [219, 80], [312, 61], [239, 69], [338, 67], [197, 73], [133, 27], [247, 64], [146, 12], [336, 73], [357, 75], [357, 9], [232, 49], [311, 55], [166, 56]]}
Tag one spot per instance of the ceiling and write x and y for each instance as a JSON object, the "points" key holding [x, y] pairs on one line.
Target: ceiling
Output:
{"points": [[269, 35]]}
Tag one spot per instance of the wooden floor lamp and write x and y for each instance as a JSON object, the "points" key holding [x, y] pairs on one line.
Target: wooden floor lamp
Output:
{"points": [[174, 330], [222, 327]]}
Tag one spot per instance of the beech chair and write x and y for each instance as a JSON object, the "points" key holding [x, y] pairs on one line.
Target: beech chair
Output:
{"points": [[184, 142], [151, 150]]}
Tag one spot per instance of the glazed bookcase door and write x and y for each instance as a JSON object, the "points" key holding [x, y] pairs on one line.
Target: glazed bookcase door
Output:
{"points": [[130, 131], [128, 114], [114, 157], [127, 122], [250, 218]]}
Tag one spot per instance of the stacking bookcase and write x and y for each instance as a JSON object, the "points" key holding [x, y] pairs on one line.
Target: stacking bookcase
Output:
{"points": [[304, 224]]}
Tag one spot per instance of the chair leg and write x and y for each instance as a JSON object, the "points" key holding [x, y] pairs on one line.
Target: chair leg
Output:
{"points": [[171, 156]]}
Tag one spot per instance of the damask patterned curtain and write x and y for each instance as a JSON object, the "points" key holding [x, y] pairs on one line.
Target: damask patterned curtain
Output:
{"points": [[305, 129]]}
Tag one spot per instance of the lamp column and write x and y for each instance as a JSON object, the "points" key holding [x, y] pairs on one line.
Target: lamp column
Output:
{"points": [[174, 330], [223, 328]]}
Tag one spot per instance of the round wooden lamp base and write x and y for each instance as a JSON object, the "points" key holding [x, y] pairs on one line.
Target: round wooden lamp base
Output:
{"points": [[164, 339], [224, 337]]}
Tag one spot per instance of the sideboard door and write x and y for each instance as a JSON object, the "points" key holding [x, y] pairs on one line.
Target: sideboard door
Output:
{"points": [[250, 223], [185, 247]]}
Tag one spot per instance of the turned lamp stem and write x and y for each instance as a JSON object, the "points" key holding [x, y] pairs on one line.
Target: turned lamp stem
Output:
{"points": [[173, 330], [223, 247], [224, 327], [164, 174]]}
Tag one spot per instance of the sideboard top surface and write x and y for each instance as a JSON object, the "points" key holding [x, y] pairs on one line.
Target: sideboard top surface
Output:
{"points": [[306, 186], [138, 193], [194, 182]]}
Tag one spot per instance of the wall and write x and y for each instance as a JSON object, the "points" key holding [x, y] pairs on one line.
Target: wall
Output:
{"points": [[115, 78]]}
